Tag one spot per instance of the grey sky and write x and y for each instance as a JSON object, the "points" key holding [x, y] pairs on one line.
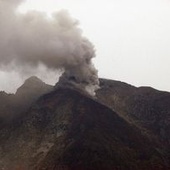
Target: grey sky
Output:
{"points": [[132, 39]]}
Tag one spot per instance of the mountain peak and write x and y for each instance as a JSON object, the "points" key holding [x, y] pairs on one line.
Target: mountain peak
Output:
{"points": [[33, 80], [32, 84], [30, 91]]}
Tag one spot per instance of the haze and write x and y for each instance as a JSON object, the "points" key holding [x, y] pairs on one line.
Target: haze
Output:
{"points": [[131, 38]]}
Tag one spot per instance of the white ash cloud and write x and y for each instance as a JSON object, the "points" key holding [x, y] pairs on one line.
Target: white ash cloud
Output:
{"points": [[28, 40]]}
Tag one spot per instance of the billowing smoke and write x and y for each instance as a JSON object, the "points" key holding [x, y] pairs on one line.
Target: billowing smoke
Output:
{"points": [[27, 40]]}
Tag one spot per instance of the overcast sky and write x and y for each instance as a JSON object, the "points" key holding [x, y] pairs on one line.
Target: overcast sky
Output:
{"points": [[131, 37]]}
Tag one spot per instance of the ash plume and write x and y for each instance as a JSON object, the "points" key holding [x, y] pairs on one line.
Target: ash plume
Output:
{"points": [[27, 40]]}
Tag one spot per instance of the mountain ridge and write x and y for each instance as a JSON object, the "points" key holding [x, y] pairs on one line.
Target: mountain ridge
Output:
{"points": [[145, 107]]}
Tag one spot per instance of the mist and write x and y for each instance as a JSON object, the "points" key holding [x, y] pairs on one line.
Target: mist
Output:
{"points": [[33, 39]]}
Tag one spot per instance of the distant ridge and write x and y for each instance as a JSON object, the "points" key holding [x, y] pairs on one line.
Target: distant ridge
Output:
{"points": [[14, 104]]}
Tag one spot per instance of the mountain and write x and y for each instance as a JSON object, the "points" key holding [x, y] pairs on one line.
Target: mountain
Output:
{"points": [[67, 129], [14, 104]]}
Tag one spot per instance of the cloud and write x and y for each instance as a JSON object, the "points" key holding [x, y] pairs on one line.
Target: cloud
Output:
{"points": [[28, 40]]}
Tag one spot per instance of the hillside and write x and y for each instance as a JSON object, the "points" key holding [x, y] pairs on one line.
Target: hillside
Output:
{"points": [[64, 123], [145, 107], [68, 129]]}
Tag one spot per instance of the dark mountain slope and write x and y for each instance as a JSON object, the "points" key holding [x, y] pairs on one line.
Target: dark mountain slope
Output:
{"points": [[66, 129], [12, 105], [147, 108], [30, 91], [6, 107]]}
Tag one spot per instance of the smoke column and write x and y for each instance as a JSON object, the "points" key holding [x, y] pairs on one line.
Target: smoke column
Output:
{"points": [[27, 40]]}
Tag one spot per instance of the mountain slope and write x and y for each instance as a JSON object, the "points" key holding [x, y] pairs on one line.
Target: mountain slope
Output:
{"points": [[6, 107], [145, 107], [66, 129]]}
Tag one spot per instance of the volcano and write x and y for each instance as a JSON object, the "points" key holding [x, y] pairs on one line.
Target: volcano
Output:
{"points": [[70, 130]]}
